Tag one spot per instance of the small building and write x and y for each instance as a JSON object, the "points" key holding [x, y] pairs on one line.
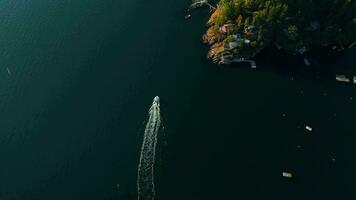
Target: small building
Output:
{"points": [[233, 44], [247, 41], [225, 28], [236, 36]]}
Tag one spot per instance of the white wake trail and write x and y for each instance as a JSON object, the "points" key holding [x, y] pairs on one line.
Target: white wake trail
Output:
{"points": [[145, 177]]}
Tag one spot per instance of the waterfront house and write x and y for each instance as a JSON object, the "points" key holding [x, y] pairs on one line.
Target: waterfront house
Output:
{"points": [[237, 37], [225, 28], [233, 44]]}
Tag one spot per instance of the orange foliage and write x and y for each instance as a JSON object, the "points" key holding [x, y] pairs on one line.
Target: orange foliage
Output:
{"points": [[239, 20], [214, 16]]}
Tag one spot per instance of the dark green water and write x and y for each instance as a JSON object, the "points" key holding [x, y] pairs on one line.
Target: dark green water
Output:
{"points": [[84, 73]]}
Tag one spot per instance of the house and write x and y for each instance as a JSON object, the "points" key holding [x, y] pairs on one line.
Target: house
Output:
{"points": [[249, 30], [237, 37], [225, 28], [233, 44]]}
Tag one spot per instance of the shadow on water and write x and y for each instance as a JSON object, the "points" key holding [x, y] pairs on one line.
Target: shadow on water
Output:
{"points": [[324, 65]]}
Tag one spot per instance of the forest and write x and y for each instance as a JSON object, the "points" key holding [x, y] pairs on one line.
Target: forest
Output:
{"points": [[240, 29]]}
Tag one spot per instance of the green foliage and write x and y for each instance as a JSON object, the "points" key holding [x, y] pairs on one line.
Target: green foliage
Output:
{"points": [[229, 38], [291, 23]]}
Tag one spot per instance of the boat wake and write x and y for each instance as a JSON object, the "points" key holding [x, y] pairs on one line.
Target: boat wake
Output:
{"points": [[145, 177]]}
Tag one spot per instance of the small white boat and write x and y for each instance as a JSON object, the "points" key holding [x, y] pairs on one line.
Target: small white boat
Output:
{"points": [[8, 71], [287, 174], [308, 128]]}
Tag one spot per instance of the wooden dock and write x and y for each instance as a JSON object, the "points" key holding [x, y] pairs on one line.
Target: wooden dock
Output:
{"points": [[229, 61], [342, 78]]}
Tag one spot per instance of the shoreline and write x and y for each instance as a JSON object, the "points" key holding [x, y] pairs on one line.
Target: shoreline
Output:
{"points": [[240, 30]]}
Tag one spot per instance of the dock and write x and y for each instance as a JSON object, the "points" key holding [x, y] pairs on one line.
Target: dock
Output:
{"points": [[227, 61], [200, 3], [342, 78]]}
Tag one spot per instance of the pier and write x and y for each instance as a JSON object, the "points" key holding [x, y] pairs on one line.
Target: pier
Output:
{"points": [[197, 4], [342, 78], [227, 61]]}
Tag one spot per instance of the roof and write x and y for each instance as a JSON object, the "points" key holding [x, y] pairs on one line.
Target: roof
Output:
{"points": [[225, 27]]}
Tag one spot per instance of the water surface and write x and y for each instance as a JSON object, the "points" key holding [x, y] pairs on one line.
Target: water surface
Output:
{"points": [[84, 73]]}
